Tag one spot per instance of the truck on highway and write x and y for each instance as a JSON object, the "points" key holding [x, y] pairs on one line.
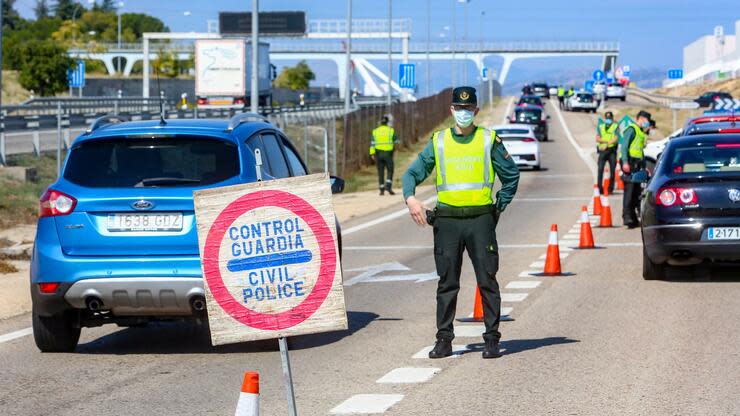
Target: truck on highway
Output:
{"points": [[223, 71]]}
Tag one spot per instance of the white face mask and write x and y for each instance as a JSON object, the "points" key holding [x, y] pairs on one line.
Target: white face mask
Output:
{"points": [[464, 118]]}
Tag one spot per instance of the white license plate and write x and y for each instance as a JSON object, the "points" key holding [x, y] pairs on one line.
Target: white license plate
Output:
{"points": [[160, 221], [723, 233]]}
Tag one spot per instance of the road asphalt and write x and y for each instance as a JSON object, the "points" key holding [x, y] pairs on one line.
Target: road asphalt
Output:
{"points": [[601, 341]]}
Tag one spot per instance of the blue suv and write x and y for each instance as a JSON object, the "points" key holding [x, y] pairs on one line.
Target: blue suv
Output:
{"points": [[116, 239]]}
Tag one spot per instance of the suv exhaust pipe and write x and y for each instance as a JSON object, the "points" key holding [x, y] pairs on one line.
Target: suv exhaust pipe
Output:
{"points": [[198, 303], [94, 304]]}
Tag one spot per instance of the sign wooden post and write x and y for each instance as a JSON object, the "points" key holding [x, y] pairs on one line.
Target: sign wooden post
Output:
{"points": [[270, 261]]}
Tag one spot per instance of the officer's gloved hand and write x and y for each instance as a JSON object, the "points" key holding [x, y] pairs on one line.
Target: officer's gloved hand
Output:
{"points": [[496, 213]]}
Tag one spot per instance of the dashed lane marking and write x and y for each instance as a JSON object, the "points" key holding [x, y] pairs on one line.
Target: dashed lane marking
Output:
{"points": [[367, 404], [384, 218], [584, 154], [528, 273], [537, 264], [562, 255], [523, 284], [16, 334], [513, 297], [405, 375], [469, 331]]}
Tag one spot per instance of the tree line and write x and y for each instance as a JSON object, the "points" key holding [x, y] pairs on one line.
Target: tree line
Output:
{"points": [[37, 48]]}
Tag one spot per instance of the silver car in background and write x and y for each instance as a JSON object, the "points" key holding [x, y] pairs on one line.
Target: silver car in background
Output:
{"points": [[615, 92], [582, 101]]}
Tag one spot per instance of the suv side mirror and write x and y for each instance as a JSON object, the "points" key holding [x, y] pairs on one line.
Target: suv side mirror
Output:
{"points": [[337, 184]]}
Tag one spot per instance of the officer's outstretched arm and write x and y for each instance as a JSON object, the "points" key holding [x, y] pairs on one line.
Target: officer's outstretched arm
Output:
{"points": [[507, 172]]}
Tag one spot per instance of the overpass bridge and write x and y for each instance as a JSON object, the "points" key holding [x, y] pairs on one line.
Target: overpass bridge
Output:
{"points": [[325, 40]]}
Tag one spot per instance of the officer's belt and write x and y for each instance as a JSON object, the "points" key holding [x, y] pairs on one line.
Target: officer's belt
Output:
{"points": [[461, 212]]}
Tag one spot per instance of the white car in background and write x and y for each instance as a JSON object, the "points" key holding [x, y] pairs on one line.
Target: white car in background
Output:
{"points": [[616, 92], [553, 90], [654, 149], [582, 101], [521, 143]]}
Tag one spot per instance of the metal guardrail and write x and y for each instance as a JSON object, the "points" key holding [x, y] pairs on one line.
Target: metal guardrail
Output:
{"points": [[659, 99]]}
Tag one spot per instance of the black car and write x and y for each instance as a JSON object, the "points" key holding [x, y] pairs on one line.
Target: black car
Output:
{"points": [[541, 89], [690, 211], [707, 99], [717, 127], [534, 115], [530, 100]]}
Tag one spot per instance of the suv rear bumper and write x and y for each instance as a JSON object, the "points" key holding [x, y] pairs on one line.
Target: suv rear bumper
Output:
{"points": [[129, 296]]}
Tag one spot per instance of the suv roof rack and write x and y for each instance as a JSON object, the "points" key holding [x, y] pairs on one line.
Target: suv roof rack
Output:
{"points": [[239, 119], [104, 121]]}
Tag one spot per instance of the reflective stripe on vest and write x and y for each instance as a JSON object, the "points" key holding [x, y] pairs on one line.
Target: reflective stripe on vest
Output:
{"points": [[638, 143], [465, 172], [383, 138], [607, 134]]}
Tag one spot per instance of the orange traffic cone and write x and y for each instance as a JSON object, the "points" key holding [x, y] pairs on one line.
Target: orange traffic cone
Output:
{"points": [[587, 237], [249, 398], [606, 213], [552, 259], [597, 201], [478, 307], [618, 178], [607, 181]]}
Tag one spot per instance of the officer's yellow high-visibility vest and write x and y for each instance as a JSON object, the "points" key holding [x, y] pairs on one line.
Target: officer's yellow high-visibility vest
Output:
{"points": [[561, 92], [638, 143], [382, 139], [607, 135], [464, 171]]}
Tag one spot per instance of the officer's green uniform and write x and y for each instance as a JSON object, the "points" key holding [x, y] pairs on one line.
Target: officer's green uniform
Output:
{"points": [[381, 145], [466, 214], [607, 154], [634, 141]]}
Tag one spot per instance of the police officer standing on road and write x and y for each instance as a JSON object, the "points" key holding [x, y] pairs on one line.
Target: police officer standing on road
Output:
{"points": [[606, 145], [634, 139], [561, 96], [467, 159], [381, 151]]}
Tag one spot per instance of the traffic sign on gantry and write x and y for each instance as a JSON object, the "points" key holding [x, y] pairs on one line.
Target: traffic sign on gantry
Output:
{"points": [[270, 259], [598, 75]]}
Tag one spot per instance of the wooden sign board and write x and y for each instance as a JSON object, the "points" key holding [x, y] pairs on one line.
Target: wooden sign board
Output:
{"points": [[270, 259]]}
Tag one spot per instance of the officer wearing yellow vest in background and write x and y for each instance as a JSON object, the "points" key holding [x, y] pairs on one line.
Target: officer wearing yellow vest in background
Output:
{"points": [[606, 147], [381, 151], [561, 96], [467, 159], [634, 140]]}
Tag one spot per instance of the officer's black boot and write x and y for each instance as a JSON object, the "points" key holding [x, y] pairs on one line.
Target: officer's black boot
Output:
{"points": [[442, 348], [388, 188], [491, 349], [382, 190]]}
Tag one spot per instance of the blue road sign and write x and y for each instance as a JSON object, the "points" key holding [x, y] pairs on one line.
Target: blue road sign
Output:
{"points": [[407, 76], [484, 74], [598, 75], [589, 86], [675, 73], [76, 76]]}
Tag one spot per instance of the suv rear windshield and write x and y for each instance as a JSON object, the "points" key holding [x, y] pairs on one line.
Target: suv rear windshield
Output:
{"points": [[511, 131], [723, 157], [585, 98], [135, 163]]}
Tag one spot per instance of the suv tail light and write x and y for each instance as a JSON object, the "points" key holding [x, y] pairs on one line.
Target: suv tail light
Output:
{"points": [[669, 197], [48, 287], [238, 100], [202, 101], [528, 139], [54, 203]]}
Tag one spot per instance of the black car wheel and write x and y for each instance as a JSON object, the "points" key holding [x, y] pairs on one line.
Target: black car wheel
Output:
{"points": [[650, 270], [623, 98], [56, 333]]}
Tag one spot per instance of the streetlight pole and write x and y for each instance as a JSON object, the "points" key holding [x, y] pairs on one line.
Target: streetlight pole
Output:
{"points": [[118, 59], [347, 90], [1, 70], [454, 41], [429, 31], [389, 98], [465, 42], [254, 97]]}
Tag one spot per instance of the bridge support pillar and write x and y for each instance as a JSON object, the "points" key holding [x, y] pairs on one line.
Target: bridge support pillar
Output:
{"points": [[129, 66], [609, 63], [508, 59], [341, 74], [108, 61]]}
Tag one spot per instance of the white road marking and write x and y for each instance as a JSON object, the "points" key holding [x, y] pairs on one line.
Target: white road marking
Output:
{"points": [[505, 120], [370, 271], [409, 375], [527, 273], [513, 297], [417, 277], [367, 404], [523, 284], [457, 350], [469, 331], [506, 310], [584, 154], [384, 218], [537, 264], [562, 255], [16, 334], [391, 248], [570, 237]]}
